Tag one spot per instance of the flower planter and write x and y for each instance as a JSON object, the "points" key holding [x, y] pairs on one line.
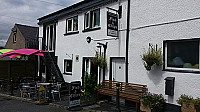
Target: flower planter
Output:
{"points": [[144, 108], [188, 108]]}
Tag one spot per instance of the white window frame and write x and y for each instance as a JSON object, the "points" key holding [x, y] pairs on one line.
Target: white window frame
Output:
{"points": [[90, 19], [87, 19], [14, 38], [65, 62], [48, 32], [72, 25], [190, 70], [93, 26]]}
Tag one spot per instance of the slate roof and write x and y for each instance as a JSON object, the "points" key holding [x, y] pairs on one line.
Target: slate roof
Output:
{"points": [[80, 6], [29, 32]]}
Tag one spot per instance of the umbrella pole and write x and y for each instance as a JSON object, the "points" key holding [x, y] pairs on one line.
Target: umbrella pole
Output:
{"points": [[25, 69], [11, 81]]}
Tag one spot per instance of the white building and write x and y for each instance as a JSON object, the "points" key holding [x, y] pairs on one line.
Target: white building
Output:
{"points": [[172, 25]]}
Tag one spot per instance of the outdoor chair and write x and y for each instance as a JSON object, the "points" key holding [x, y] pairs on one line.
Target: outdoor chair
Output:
{"points": [[55, 90], [27, 90]]}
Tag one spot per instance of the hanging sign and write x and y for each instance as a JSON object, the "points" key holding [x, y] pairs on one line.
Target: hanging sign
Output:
{"points": [[112, 24], [75, 94], [42, 95]]}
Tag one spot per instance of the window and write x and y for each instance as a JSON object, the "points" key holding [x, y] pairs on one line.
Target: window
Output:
{"points": [[14, 38], [68, 67], [72, 24], [50, 37], [182, 55], [92, 19]]}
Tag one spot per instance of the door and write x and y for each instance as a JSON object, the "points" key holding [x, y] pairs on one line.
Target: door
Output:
{"points": [[89, 69], [118, 69]]}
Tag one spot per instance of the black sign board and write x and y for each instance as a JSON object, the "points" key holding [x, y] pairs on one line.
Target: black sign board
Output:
{"points": [[112, 24], [75, 94]]}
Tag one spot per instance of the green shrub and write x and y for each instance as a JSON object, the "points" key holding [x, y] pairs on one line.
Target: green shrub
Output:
{"points": [[154, 101], [89, 86], [99, 60]]}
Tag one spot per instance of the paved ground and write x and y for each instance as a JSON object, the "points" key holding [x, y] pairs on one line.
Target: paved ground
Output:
{"points": [[17, 104], [11, 105]]}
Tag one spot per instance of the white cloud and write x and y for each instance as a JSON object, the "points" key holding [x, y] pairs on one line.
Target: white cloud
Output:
{"points": [[26, 12]]}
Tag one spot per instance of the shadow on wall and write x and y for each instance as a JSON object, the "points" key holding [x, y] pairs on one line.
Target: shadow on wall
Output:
{"points": [[156, 74]]}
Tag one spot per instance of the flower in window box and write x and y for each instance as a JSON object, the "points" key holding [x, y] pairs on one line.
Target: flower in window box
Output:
{"points": [[151, 57]]}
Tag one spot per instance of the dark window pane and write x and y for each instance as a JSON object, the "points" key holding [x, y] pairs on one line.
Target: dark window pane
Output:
{"points": [[68, 65], [86, 20], [75, 24], [96, 18], [183, 54], [69, 25], [51, 38]]}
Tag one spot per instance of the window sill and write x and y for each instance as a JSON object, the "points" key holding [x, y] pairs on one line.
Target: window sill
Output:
{"points": [[91, 29], [181, 71], [67, 73], [71, 33]]}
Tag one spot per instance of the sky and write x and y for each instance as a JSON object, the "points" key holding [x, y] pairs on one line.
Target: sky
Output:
{"points": [[26, 12]]}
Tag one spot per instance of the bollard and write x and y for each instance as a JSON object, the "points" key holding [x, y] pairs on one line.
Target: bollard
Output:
{"points": [[117, 98]]}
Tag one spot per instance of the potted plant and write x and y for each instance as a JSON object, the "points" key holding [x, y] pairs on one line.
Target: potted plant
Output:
{"points": [[188, 103], [151, 57], [99, 60], [152, 102]]}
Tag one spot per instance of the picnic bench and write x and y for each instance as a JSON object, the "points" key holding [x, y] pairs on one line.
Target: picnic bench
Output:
{"points": [[127, 91]]}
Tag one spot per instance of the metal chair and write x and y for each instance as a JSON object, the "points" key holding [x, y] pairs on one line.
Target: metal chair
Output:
{"points": [[56, 90], [27, 90]]}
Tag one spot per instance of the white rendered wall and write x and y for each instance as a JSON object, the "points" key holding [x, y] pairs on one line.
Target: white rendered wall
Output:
{"points": [[76, 43], [150, 12], [143, 13]]}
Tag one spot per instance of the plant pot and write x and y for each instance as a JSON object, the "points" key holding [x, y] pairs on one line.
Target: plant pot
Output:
{"points": [[148, 67], [188, 108], [144, 108]]}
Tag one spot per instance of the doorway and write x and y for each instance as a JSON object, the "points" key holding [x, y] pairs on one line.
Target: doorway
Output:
{"points": [[117, 71], [89, 69]]}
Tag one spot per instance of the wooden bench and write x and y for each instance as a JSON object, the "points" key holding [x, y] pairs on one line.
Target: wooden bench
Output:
{"points": [[127, 91]]}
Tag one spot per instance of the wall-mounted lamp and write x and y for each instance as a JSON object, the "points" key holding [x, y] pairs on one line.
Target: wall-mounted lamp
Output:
{"points": [[88, 39]]}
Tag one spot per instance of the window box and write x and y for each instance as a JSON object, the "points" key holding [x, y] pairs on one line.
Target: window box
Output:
{"points": [[182, 55]]}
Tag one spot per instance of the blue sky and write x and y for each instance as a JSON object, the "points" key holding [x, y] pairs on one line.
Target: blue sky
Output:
{"points": [[26, 12]]}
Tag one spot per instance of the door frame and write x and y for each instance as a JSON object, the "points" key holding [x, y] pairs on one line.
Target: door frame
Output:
{"points": [[83, 69], [111, 59]]}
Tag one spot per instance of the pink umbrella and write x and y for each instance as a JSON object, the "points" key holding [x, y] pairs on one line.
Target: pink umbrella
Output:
{"points": [[23, 52]]}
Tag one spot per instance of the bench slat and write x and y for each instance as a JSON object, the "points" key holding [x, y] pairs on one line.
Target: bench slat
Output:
{"points": [[128, 91]]}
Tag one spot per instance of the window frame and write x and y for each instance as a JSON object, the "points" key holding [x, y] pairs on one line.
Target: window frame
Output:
{"points": [[48, 35], [176, 69], [66, 72], [67, 31], [14, 38], [89, 17]]}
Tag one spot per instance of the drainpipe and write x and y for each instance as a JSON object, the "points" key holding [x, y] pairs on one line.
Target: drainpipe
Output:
{"points": [[127, 40]]}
